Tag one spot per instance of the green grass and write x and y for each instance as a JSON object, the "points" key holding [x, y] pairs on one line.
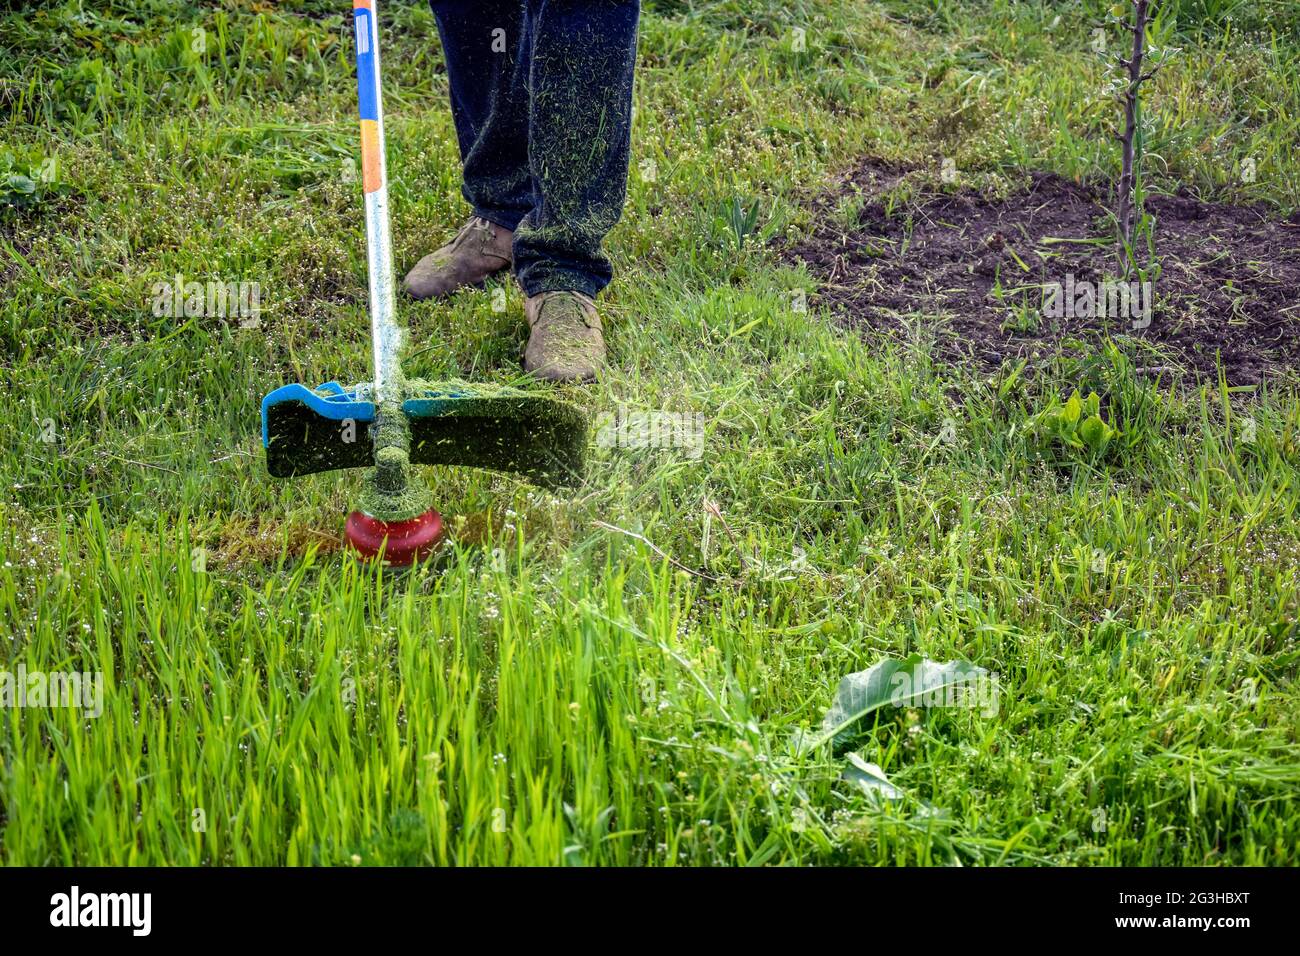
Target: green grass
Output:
{"points": [[554, 690]]}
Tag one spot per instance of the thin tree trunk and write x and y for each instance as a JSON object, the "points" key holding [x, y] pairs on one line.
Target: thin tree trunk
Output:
{"points": [[1126, 211]]}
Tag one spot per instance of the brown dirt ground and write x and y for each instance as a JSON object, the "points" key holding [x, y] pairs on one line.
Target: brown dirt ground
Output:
{"points": [[1230, 283]]}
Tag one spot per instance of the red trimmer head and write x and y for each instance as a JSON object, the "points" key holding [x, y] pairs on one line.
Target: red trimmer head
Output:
{"points": [[398, 542]]}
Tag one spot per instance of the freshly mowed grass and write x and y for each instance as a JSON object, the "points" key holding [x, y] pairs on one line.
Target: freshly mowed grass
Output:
{"points": [[553, 690]]}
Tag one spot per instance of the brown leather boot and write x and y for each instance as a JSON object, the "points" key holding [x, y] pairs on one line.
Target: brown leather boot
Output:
{"points": [[565, 344], [479, 249]]}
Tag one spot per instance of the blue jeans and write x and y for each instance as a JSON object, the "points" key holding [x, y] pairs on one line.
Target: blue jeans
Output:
{"points": [[541, 94]]}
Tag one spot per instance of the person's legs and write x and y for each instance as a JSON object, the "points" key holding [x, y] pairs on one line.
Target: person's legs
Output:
{"points": [[485, 45], [579, 133], [486, 48]]}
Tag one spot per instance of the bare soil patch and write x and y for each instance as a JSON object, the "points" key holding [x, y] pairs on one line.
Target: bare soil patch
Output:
{"points": [[972, 270]]}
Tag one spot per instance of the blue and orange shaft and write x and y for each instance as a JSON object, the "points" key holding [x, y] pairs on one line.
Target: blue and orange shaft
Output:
{"points": [[385, 332]]}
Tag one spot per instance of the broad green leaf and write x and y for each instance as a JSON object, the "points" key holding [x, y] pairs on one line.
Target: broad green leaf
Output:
{"points": [[915, 681], [870, 779], [21, 184], [1093, 432], [1073, 408]]}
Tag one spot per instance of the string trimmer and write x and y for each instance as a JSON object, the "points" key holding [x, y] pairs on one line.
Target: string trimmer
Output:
{"points": [[393, 423]]}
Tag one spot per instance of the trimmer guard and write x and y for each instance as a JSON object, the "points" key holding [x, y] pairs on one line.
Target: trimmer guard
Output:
{"points": [[308, 430]]}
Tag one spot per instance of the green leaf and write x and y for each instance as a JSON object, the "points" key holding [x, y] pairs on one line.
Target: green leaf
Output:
{"points": [[1012, 379], [1093, 432], [871, 780], [18, 183], [1051, 423], [900, 683], [1073, 408]]}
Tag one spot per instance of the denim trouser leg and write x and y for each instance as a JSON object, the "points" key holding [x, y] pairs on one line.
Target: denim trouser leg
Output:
{"points": [[485, 47], [579, 135], [546, 138]]}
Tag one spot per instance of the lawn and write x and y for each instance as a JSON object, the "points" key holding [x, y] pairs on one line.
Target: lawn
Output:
{"points": [[637, 673]]}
